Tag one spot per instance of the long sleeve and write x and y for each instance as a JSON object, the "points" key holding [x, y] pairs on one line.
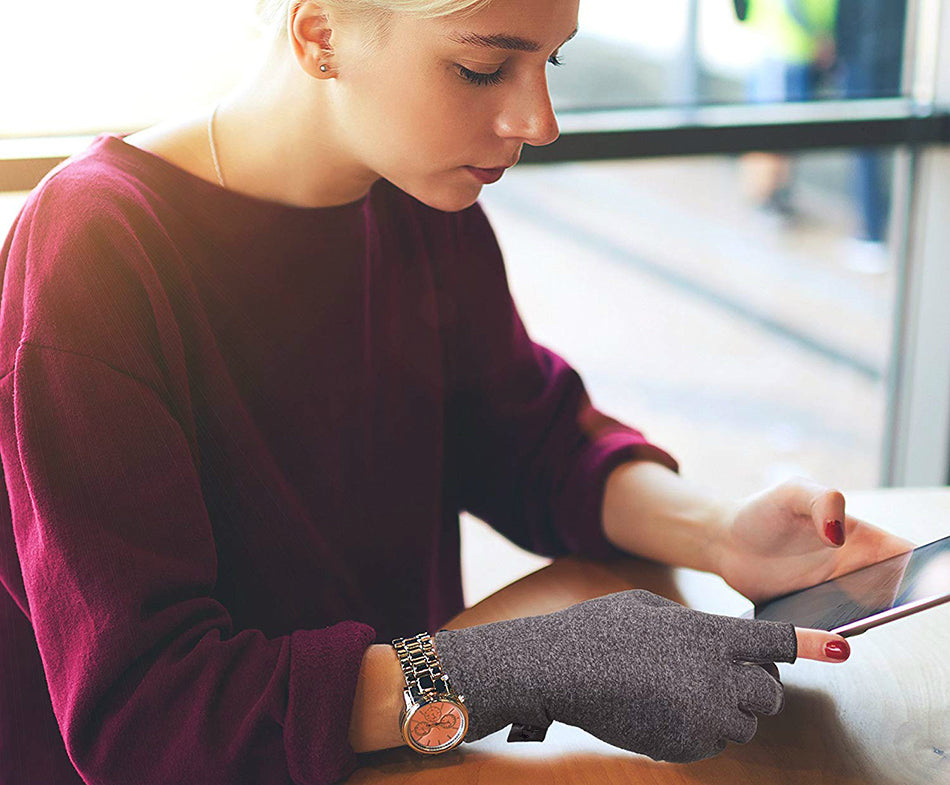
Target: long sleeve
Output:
{"points": [[531, 454], [149, 679]]}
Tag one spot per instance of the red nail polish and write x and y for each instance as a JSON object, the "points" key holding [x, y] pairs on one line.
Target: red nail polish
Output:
{"points": [[838, 650], [834, 531]]}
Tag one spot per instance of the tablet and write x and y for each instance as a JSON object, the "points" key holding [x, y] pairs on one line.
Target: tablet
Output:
{"points": [[876, 594]]}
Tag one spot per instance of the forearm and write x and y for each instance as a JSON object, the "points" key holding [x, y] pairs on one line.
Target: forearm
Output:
{"points": [[652, 512], [375, 720]]}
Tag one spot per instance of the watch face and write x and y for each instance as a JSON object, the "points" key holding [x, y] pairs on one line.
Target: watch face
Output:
{"points": [[436, 725]]}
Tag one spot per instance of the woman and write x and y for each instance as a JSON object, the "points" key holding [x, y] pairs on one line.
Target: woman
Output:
{"points": [[258, 360]]}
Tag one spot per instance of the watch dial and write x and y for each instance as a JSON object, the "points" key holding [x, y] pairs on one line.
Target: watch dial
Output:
{"points": [[435, 724]]}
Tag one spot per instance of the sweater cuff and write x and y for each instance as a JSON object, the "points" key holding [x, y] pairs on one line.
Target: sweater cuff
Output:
{"points": [[324, 670], [581, 507]]}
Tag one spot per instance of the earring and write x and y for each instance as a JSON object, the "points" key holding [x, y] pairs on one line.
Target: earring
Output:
{"points": [[323, 67]]}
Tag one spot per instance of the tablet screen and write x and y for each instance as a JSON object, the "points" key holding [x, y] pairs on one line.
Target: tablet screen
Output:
{"points": [[920, 577]]}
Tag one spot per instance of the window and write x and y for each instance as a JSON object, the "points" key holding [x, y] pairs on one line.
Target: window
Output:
{"points": [[832, 288]]}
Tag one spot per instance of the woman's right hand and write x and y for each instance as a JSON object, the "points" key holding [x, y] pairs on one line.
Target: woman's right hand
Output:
{"points": [[634, 669]]}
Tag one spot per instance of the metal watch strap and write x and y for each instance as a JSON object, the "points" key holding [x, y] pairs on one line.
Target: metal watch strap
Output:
{"points": [[421, 667], [423, 672]]}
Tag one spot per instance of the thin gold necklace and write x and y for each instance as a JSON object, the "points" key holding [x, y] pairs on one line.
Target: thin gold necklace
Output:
{"points": [[214, 152]]}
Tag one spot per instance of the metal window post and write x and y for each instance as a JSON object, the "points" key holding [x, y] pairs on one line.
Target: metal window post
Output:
{"points": [[917, 450]]}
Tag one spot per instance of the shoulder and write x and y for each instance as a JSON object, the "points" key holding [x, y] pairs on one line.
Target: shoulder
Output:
{"points": [[86, 208], [78, 271], [88, 229]]}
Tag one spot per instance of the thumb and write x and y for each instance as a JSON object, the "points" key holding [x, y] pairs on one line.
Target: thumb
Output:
{"points": [[825, 507]]}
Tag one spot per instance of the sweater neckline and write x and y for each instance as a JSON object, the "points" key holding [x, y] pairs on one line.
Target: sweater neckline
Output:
{"points": [[145, 160]]}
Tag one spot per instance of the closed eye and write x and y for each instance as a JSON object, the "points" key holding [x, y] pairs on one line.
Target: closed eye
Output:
{"points": [[478, 78]]}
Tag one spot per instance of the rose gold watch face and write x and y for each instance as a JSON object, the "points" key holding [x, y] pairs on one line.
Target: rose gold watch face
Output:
{"points": [[435, 724]]}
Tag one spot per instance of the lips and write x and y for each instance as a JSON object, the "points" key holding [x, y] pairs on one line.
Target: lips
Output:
{"points": [[487, 175]]}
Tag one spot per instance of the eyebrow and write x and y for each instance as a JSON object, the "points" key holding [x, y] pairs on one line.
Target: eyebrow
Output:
{"points": [[501, 41]]}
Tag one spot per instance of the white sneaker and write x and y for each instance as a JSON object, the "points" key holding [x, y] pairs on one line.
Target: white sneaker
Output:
{"points": [[867, 257]]}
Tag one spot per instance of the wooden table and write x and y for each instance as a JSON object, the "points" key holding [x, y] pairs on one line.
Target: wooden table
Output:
{"points": [[881, 718]]}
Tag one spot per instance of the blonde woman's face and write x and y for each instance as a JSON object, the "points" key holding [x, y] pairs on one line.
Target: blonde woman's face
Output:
{"points": [[429, 104]]}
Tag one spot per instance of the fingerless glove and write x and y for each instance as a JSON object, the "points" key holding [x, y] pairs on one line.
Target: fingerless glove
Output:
{"points": [[634, 669]]}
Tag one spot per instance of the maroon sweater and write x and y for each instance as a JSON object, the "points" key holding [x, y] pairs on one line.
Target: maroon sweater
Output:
{"points": [[236, 438]]}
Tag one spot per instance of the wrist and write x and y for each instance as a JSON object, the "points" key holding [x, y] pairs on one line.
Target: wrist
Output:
{"points": [[722, 518], [435, 717], [374, 724]]}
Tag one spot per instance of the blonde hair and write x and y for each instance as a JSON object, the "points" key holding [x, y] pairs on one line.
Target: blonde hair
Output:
{"points": [[376, 15]]}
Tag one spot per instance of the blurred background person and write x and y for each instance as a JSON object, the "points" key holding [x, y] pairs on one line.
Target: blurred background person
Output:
{"points": [[869, 37], [798, 43]]}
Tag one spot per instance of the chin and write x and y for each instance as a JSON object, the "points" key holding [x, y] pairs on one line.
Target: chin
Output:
{"points": [[449, 198]]}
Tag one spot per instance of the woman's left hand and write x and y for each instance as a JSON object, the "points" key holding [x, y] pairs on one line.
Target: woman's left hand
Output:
{"points": [[776, 541]]}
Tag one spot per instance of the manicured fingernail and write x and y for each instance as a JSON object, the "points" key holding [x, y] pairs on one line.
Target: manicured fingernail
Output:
{"points": [[834, 531], [838, 650]]}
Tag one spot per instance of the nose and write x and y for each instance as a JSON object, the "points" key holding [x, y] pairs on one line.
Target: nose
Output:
{"points": [[529, 115]]}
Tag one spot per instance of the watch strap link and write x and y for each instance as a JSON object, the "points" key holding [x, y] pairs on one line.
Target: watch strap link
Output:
{"points": [[421, 667]]}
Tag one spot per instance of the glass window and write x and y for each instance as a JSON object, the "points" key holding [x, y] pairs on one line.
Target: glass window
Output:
{"points": [[750, 341]]}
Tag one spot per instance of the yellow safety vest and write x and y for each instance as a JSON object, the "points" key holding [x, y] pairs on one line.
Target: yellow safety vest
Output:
{"points": [[793, 28]]}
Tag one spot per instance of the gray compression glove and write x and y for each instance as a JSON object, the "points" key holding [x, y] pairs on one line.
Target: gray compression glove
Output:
{"points": [[634, 669]]}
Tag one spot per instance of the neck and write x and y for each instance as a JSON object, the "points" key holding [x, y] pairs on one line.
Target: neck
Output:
{"points": [[276, 139]]}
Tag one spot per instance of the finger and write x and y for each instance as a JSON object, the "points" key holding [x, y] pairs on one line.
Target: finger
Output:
{"points": [[741, 728], [825, 506], [813, 645], [759, 691], [762, 640]]}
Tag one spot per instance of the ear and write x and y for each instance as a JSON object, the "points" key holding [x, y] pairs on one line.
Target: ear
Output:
{"points": [[309, 31]]}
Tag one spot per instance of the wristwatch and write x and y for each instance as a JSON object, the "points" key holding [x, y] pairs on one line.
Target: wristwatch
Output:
{"points": [[435, 718]]}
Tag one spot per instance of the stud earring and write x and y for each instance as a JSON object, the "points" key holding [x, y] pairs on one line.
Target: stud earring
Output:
{"points": [[323, 67]]}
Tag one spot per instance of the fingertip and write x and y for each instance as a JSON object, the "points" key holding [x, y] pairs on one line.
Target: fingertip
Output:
{"points": [[822, 645]]}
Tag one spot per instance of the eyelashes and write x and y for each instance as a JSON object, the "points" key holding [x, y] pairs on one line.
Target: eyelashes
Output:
{"points": [[482, 80]]}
